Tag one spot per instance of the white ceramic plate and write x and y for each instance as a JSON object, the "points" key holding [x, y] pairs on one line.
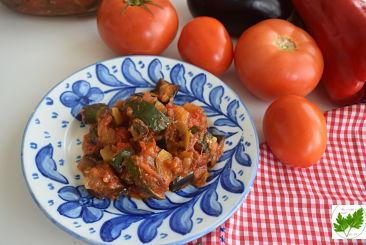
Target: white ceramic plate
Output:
{"points": [[52, 149]]}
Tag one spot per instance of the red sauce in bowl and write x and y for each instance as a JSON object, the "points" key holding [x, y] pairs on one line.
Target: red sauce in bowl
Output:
{"points": [[53, 7]]}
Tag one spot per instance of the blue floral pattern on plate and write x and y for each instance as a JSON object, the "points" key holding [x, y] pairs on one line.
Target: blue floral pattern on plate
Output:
{"points": [[79, 203], [183, 216], [82, 94]]}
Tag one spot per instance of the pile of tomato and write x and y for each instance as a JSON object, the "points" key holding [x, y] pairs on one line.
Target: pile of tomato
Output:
{"points": [[274, 59]]}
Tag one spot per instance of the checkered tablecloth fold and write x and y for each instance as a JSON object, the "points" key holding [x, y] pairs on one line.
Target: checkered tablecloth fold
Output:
{"points": [[293, 206]]}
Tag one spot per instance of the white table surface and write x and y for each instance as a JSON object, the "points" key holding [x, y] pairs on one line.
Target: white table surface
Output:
{"points": [[35, 54]]}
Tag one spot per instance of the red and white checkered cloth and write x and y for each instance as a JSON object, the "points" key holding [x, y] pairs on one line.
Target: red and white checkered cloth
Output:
{"points": [[293, 206]]}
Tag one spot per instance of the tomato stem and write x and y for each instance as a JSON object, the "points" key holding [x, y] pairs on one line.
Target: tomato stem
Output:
{"points": [[137, 2], [140, 3], [285, 43]]}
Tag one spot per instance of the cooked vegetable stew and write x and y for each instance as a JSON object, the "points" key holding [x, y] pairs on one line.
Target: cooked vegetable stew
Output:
{"points": [[146, 145]]}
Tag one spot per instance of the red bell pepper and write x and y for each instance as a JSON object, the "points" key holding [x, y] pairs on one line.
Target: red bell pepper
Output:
{"points": [[339, 28]]}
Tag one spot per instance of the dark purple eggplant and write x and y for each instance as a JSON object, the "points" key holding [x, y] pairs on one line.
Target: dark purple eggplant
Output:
{"points": [[238, 15], [181, 182]]}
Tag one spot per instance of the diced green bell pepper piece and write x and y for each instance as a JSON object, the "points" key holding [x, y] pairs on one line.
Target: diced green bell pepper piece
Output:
{"points": [[91, 113], [152, 117], [119, 158]]}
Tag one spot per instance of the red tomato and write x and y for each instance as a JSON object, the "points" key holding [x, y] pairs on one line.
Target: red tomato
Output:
{"points": [[137, 26], [295, 131], [275, 58], [205, 42]]}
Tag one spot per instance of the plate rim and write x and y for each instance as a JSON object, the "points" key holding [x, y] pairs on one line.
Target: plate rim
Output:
{"points": [[188, 239]]}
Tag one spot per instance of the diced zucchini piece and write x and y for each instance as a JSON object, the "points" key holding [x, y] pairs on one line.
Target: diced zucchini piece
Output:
{"points": [[106, 153], [161, 166], [117, 117], [164, 155]]}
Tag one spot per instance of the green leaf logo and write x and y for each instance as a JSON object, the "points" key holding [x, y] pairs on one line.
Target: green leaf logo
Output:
{"points": [[351, 221]]}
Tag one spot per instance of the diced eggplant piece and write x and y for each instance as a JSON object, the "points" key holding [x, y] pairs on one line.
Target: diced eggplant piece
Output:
{"points": [[136, 173], [91, 113], [93, 135], [149, 114], [166, 91], [181, 182], [212, 145], [194, 129], [161, 143], [204, 143], [220, 138], [138, 129], [87, 162], [103, 182], [207, 140]]}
